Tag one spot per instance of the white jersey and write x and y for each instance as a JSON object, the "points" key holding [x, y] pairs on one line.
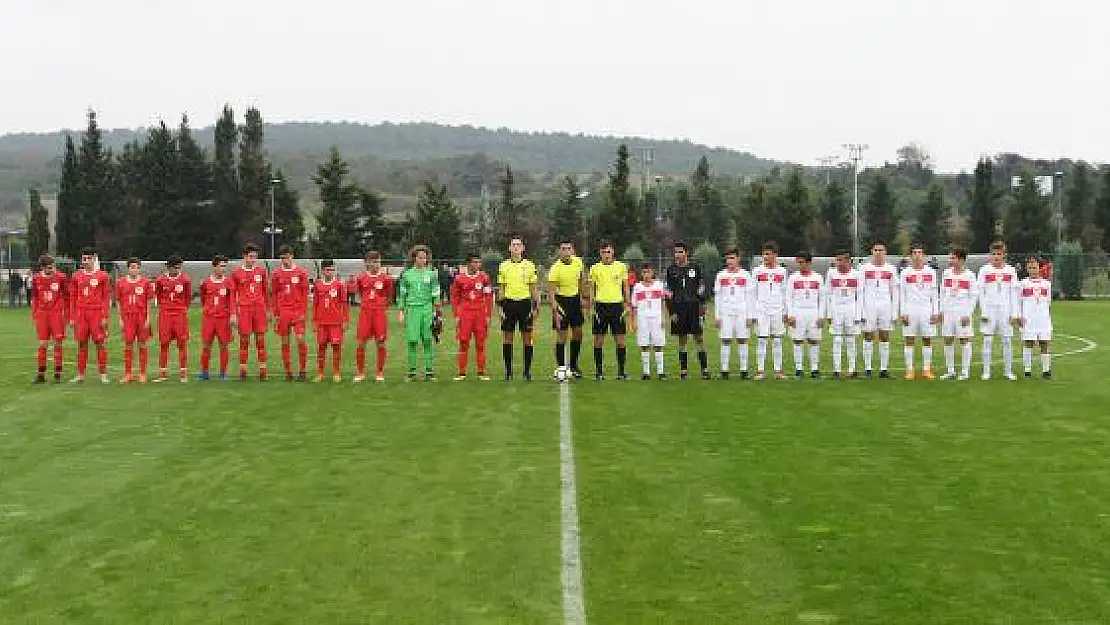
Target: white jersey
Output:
{"points": [[1035, 301], [998, 291], [648, 299], [880, 288], [845, 299], [770, 290], [734, 294], [805, 294], [958, 293], [919, 293]]}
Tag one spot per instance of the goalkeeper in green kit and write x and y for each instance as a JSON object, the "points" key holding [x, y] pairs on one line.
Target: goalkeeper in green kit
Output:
{"points": [[418, 298]]}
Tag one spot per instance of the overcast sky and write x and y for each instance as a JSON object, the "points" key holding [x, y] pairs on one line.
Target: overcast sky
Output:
{"points": [[784, 79]]}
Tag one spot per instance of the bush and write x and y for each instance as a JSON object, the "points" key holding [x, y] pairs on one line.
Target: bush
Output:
{"points": [[1067, 270], [709, 257], [633, 257], [491, 259]]}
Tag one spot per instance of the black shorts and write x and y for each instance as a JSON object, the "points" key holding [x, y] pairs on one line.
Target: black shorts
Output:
{"points": [[571, 307], [609, 319], [687, 319], [518, 315]]}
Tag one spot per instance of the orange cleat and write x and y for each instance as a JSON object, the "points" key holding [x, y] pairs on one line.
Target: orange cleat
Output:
{"points": [[127, 379], [910, 375], [928, 374]]}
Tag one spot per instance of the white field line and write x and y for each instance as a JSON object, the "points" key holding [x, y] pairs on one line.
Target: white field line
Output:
{"points": [[574, 607]]}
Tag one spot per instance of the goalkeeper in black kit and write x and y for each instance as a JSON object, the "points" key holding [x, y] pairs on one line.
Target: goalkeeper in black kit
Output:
{"points": [[686, 283]]}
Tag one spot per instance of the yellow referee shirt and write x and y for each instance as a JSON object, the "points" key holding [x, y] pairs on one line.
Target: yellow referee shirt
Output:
{"points": [[610, 280], [516, 278], [567, 277]]}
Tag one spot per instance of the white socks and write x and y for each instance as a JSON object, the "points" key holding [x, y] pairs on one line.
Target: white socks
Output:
{"points": [[776, 348], [927, 357], [743, 347], [838, 349], [950, 358], [645, 362], [726, 352], [987, 340], [966, 362], [908, 352], [760, 353], [1007, 355], [884, 356], [815, 357], [799, 357], [868, 346], [1046, 363], [659, 361], [851, 354]]}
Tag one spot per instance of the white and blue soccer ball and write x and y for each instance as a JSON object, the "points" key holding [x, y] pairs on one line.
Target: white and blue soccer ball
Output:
{"points": [[561, 374]]}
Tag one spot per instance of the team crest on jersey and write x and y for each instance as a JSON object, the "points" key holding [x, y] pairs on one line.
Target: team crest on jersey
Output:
{"points": [[295, 280], [94, 282], [692, 273], [333, 293], [178, 288], [138, 290], [257, 278], [223, 291], [54, 286], [427, 279], [378, 285]]}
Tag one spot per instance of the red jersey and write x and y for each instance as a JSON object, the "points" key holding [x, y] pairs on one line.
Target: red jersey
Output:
{"points": [[48, 293], [174, 294], [472, 294], [330, 304], [250, 286], [375, 290], [91, 290], [133, 297], [216, 297], [290, 290]]}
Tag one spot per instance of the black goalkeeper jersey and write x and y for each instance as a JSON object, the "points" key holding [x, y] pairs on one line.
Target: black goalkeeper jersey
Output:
{"points": [[686, 284]]}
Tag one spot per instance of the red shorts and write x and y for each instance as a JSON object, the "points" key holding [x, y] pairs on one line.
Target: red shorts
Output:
{"points": [[173, 327], [329, 334], [51, 324], [290, 321], [373, 325], [213, 328], [135, 328], [89, 324], [472, 324], [252, 320]]}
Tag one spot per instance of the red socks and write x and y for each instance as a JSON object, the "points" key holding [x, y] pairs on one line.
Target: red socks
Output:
{"points": [[381, 359], [464, 349], [302, 356], [42, 360], [286, 358]]}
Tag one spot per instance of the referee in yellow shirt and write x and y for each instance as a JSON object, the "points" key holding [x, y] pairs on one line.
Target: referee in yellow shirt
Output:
{"points": [[609, 287], [519, 299], [566, 282]]}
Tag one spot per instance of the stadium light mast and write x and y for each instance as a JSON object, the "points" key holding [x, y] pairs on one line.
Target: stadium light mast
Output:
{"points": [[855, 154], [826, 163], [272, 228], [1058, 188]]}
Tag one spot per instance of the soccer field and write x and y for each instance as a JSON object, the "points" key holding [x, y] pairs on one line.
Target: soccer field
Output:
{"points": [[697, 501]]}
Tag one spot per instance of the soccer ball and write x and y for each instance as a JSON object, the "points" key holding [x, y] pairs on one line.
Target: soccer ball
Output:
{"points": [[561, 374]]}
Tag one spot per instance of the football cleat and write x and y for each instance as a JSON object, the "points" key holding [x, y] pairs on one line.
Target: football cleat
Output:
{"points": [[1047, 375], [949, 376], [744, 375], [645, 377], [724, 375], [1028, 375], [884, 375], [867, 374]]}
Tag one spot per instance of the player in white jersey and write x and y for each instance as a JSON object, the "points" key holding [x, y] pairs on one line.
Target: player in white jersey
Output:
{"points": [[998, 307], [1035, 319], [734, 311], [845, 310], [959, 292], [920, 310], [880, 308], [805, 314], [770, 308], [647, 297]]}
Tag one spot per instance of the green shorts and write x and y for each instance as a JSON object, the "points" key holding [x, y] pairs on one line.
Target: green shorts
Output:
{"points": [[418, 324]]}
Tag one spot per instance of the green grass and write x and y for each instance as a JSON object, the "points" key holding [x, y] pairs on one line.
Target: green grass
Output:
{"points": [[700, 502]]}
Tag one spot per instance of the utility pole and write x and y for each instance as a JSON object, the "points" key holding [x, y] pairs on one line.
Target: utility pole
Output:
{"points": [[855, 154], [827, 162], [647, 159]]}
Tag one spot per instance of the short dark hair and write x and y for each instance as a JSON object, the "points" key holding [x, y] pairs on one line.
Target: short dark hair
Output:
{"points": [[770, 246], [875, 243], [218, 259], [648, 266], [373, 255], [173, 261], [46, 260], [134, 260], [806, 256], [606, 244], [88, 251], [472, 256], [917, 245], [285, 250], [998, 246], [250, 248], [958, 253], [732, 251], [416, 249], [844, 253], [324, 264], [566, 241], [516, 237], [680, 245]]}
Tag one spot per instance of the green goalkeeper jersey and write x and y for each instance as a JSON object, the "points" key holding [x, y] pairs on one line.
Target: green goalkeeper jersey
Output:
{"points": [[419, 288]]}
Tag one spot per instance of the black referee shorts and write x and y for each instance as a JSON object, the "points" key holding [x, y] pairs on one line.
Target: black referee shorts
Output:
{"points": [[518, 315], [687, 319], [609, 319], [571, 307]]}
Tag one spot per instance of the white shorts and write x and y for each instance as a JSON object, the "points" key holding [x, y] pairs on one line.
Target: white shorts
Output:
{"points": [[879, 320], [769, 325], [1036, 331], [921, 324], [996, 324], [844, 325], [805, 326], [734, 326], [649, 333], [950, 327]]}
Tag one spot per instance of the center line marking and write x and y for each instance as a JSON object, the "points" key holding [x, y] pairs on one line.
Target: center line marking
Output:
{"points": [[574, 607]]}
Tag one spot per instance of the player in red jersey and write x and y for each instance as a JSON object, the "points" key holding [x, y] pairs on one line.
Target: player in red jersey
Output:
{"points": [[49, 310], [216, 296], [290, 304], [472, 303], [375, 289], [133, 296], [174, 291], [251, 287], [91, 293], [330, 313]]}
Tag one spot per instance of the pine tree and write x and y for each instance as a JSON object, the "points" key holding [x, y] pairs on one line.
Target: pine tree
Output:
{"points": [[792, 213], [196, 209], [567, 219], [932, 220], [754, 221], [508, 218], [983, 212], [1028, 226], [619, 220], [436, 223], [99, 193], [287, 214], [1079, 201], [709, 205], [1102, 210], [878, 211], [38, 227], [67, 225], [376, 236], [163, 218], [836, 215], [337, 227], [226, 184], [254, 177]]}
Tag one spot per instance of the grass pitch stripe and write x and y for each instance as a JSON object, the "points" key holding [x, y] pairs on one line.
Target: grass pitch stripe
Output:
{"points": [[574, 607]]}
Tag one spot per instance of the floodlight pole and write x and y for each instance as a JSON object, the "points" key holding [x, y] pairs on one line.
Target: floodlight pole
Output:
{"points": [[273, 219], [855, 154]]}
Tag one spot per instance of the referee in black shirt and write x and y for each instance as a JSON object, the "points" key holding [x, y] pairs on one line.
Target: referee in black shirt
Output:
{"points": [[686, 282]]}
